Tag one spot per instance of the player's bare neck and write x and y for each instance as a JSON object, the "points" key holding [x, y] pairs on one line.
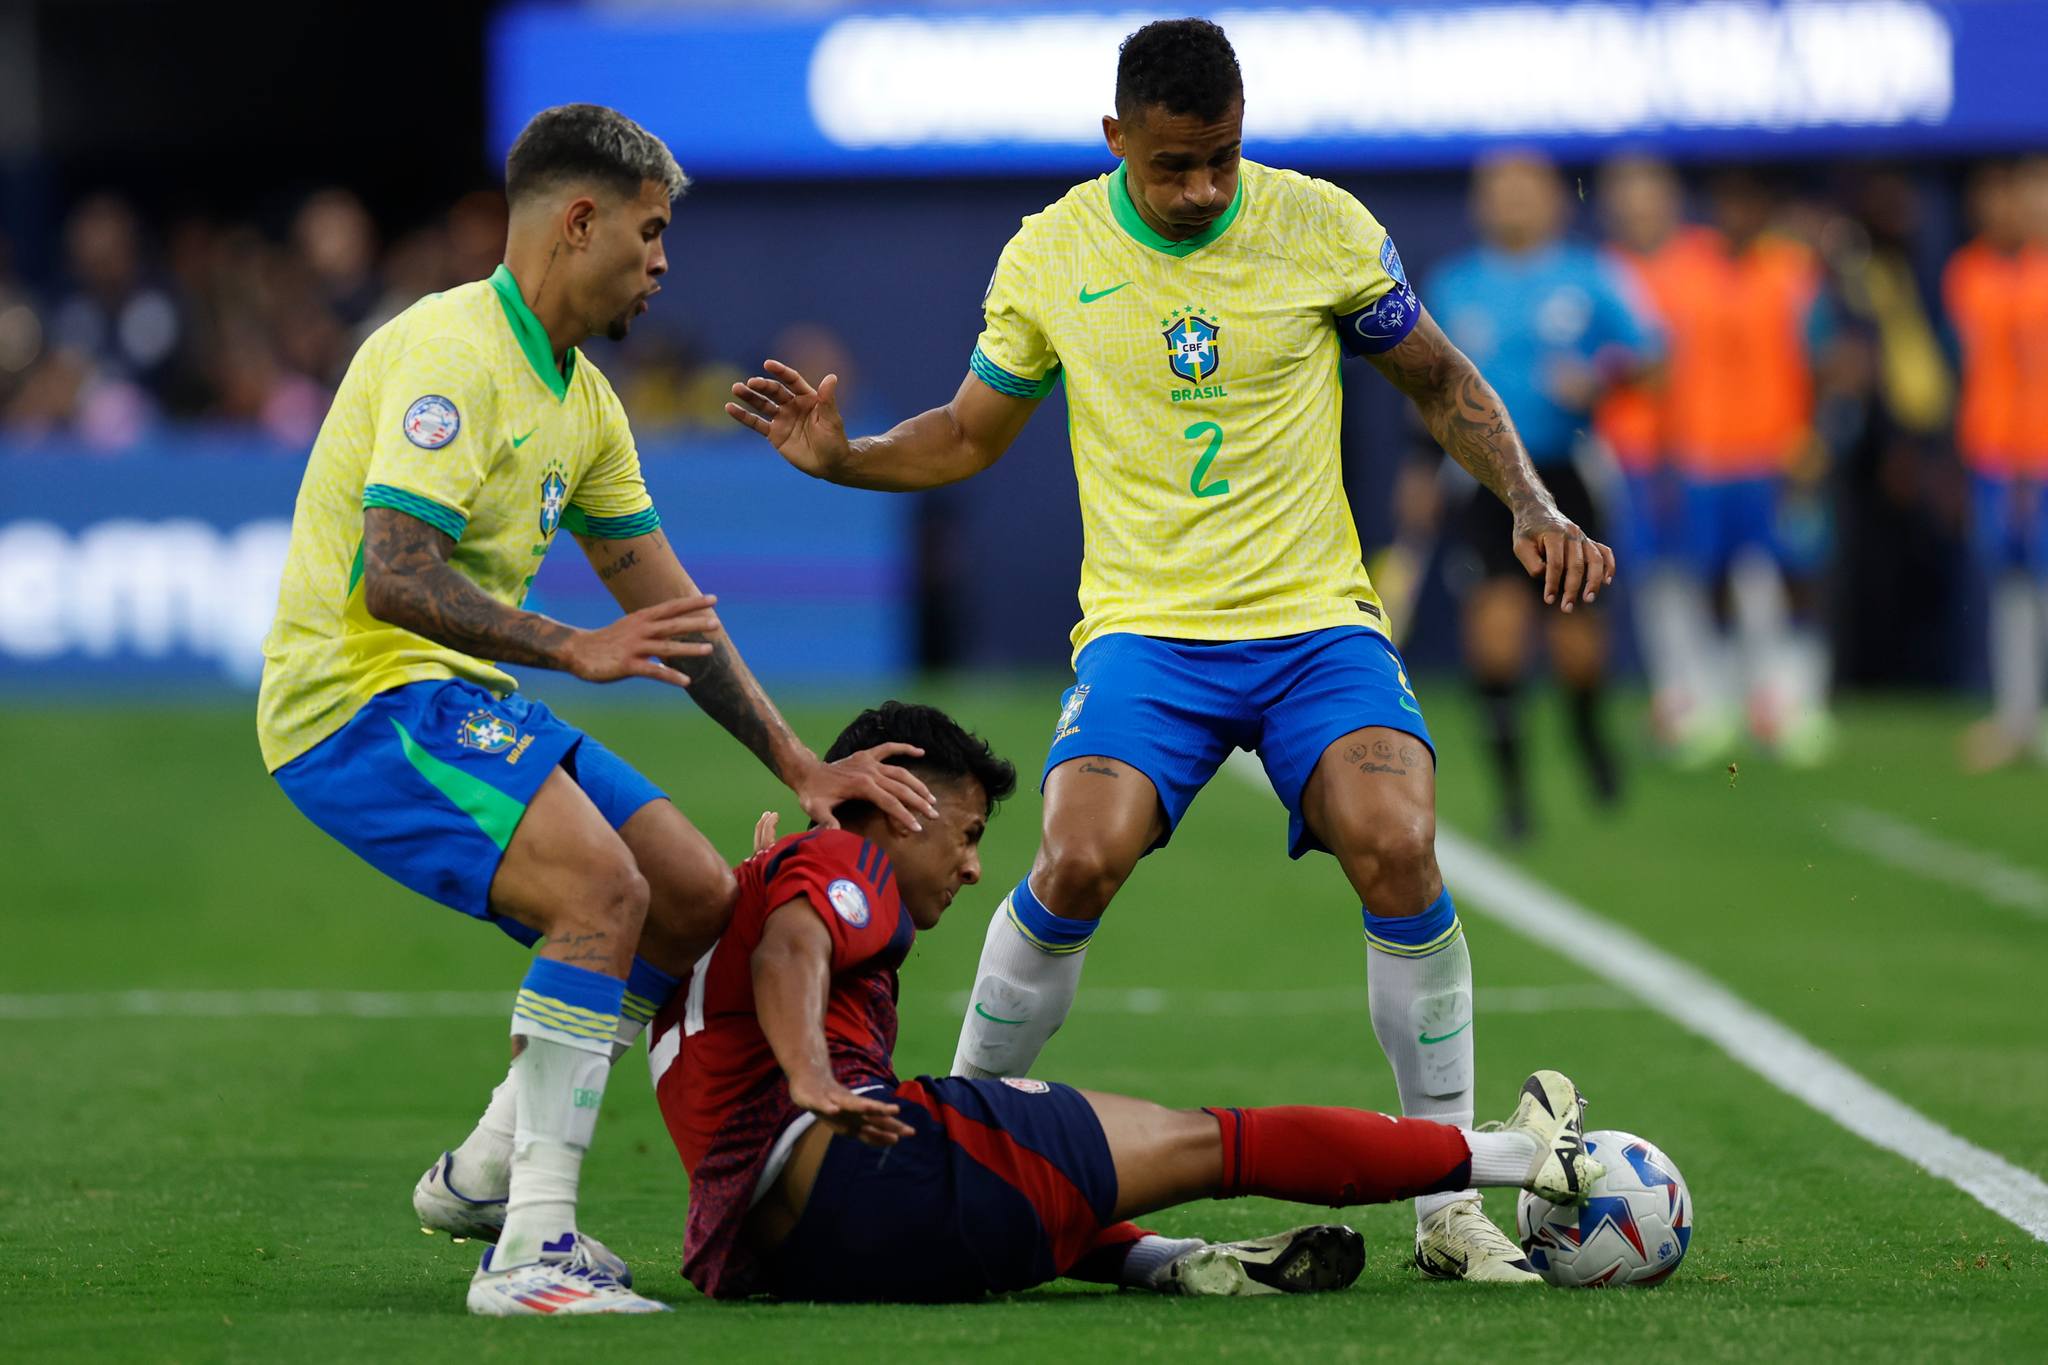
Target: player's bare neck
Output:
{"points": [[541, 285]]}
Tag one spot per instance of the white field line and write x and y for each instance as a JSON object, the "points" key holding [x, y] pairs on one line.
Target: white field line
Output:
{"points": [[1315, 1000], [258, 1004], [1904, 845], [1705, 1007], [1140, 1000]]}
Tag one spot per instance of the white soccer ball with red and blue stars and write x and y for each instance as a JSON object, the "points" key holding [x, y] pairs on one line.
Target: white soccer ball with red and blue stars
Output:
{"points": [[1633, 1229]]}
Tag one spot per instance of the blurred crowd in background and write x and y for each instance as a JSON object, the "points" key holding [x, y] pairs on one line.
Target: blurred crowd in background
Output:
{"points": [[1850, 374], [201, 320]]}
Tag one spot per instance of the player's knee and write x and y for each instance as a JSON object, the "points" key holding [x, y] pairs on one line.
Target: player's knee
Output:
{"points": [[1078, 879], [618, 895], [686, 918], [1396, 860]]}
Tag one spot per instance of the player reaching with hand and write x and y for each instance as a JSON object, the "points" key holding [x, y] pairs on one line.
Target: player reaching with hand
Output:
{"points": [[467, 431], [815, 1173], [1197, 306]]}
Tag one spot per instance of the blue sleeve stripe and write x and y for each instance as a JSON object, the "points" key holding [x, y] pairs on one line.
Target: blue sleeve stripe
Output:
{"points": [[442, 518], [581, 523], [1015, 385]]}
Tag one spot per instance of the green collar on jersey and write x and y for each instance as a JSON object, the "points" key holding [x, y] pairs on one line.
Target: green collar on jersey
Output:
{"points": [[1128, 218], [533, 338]]}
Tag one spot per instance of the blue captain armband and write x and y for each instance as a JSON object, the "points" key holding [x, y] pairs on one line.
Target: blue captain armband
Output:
{"points": [[1382, 325]]}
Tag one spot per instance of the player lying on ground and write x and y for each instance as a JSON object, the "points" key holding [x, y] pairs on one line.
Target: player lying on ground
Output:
{"points": [[815, 1173], [467, 431]]}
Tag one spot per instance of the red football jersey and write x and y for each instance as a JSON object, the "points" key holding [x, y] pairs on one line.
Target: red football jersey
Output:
{"points": [[721, 1093]]}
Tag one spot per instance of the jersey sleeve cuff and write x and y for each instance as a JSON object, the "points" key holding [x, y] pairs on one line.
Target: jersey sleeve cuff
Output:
{"points": [[1382, 325], [440, 516], [582, 523], [1015, 385]]}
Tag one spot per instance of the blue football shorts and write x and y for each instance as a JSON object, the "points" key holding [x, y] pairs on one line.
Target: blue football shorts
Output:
{"points": [[2008, 525], [1175, 709], [427, 782]]}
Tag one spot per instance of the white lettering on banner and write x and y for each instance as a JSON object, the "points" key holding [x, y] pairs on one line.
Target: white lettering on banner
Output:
{"points": [[1577, 69], [147, 589]]}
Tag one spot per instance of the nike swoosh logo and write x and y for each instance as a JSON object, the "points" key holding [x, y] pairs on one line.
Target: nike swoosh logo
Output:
{"points": [[1087, 297], [994, 1019], [1425, 1038], [518, 441]]}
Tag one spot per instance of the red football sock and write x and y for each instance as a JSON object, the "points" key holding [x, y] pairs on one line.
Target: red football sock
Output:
{"points": [[1315, 1155]]}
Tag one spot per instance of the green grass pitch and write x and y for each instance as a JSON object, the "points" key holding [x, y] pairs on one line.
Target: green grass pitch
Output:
{"points": [[190, 1188]]}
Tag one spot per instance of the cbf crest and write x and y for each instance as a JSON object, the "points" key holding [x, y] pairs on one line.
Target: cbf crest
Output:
{"points": [[485, 732], [1192, 351], [554, 498], [1070, 713]]}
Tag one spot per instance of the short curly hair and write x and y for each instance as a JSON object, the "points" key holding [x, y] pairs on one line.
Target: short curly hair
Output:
{"points": [[588, 142], [1184, 66], [950, 749]]}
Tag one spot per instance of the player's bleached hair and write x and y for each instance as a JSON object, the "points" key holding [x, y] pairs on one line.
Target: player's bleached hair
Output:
{"points": [[588, 142], [950, 749], [1184, 66]]}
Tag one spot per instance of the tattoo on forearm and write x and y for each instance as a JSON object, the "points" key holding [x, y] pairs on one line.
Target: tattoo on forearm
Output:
{"points": [[412, 585], [1462, 412], [618, 566], [726, 691]]}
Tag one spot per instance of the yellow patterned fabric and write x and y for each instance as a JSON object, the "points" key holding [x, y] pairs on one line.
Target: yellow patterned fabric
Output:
{"points": [[453, 412], [1202, 384]]}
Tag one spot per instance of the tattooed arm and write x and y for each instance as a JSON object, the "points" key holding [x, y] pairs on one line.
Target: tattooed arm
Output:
{"points": [[409, 583], [643, 569], [1470, 422]]}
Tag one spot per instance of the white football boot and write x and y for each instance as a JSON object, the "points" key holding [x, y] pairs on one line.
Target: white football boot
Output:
{"points": [[442, 1209], [567, 1279], [1310, 1260], [1459, 1242]]}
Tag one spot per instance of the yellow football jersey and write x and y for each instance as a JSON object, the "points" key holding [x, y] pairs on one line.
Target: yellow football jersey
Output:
{"points": [[1203, 391], [453, 412]]}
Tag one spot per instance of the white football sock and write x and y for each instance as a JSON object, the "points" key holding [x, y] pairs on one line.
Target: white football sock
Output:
{"points": [[560, 1086], [1149, 1257], [2016, 656], [1022, 991], [1501, 1158], [1763, 623], [481, 1166], [1422, 1016]]}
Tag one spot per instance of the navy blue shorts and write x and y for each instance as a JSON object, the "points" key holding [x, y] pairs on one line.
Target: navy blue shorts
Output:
{"points": [[428, 781], [1005, 1185], [1175, 709]]}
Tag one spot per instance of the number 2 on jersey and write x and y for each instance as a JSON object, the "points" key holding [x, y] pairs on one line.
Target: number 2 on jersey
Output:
{"points": [[1195, 484]]}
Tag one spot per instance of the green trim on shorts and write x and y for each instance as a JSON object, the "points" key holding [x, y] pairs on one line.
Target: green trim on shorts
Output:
{"points": [[495, 813]]}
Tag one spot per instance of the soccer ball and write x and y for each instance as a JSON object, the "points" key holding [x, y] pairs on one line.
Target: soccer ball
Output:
{"points": [[1634, 1228]]}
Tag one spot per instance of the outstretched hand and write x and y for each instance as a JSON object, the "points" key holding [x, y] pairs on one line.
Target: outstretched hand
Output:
{"points": [[861, 1117], [1573, 566], [802, 423], [639, 645]]}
